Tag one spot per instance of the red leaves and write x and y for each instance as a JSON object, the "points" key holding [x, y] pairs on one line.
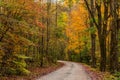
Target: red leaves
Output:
{"points": [[39, 24]]}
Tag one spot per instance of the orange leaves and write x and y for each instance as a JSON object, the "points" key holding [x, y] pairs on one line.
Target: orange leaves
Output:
{"points": [[35, 11], [76, 27], [79, 17]]}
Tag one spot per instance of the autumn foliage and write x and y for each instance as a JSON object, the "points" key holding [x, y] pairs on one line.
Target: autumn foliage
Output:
{"points": [[38, 33]]}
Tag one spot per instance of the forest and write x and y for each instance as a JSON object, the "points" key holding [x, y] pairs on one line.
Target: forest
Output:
{"points": [[38, 33]]}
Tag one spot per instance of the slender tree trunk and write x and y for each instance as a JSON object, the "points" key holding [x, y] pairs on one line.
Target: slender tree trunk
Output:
{"points": [[93, 47], [42, 48], [48, 28], [93, 37], [42, 41]]}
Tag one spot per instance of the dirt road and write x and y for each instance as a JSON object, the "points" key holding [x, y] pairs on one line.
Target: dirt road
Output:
{"points": [[71, 71]]}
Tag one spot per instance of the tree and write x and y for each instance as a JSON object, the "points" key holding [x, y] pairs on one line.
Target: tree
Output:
{"points": [[114, 36], [102, 26], [93, 35], [17, 22], [76, 28]]}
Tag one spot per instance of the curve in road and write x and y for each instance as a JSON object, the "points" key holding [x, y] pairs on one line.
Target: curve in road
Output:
{"points": [[71, 71]]}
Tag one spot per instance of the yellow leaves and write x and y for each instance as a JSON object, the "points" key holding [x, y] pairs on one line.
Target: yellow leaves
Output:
{"points": [[75, 30], [65, 17], [77, 51], [79, 17]]}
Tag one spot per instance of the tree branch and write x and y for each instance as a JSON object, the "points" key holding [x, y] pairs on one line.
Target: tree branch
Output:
{"points": [[89, 10]]}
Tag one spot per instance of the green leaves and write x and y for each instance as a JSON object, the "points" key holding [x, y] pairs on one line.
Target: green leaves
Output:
{"points": [[22, 56], [92, 30], [20, 65]]}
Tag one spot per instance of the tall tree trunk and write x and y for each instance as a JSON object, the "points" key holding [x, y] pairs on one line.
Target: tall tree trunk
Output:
{"points": [[42, 49], [114, 38], [102, 41], [93, 37], [102, 38], [42, 40], [48, 28], [93, 47]]}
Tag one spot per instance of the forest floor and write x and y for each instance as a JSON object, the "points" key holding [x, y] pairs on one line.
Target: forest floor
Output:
{"points": [[35, 72], [93, 73]]}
